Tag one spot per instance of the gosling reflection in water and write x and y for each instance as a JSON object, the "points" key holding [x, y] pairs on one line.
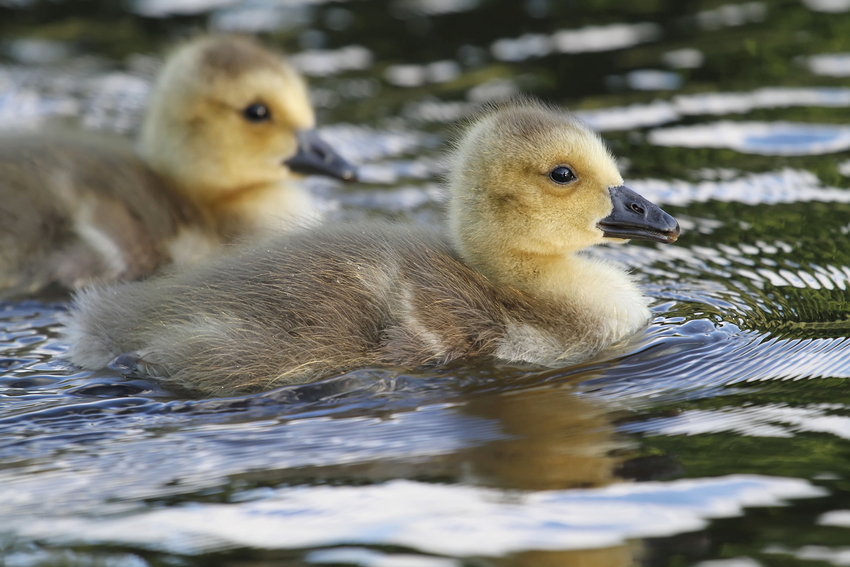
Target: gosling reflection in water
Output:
{"points": [[557, 440], [549, 438]]}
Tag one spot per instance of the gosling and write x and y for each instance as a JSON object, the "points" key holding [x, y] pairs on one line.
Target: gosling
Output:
{"points": [[227, 134], [529, 187]]}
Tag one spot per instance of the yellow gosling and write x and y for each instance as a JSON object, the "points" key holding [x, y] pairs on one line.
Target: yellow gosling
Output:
{"points": [[225, 140], [529, 187]]}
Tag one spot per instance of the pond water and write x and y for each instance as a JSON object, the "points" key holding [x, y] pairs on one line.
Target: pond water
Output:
{"points": [[719, 437]]}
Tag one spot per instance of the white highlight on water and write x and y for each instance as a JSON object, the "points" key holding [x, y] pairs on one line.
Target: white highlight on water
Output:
{"points": [[454, 520]]}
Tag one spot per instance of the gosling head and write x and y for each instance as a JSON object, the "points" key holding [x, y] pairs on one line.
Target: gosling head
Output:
{"points": [[530, 183], [227, 115]]}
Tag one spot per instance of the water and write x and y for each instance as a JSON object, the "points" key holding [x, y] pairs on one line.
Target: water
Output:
{"points": [[718, 437]]}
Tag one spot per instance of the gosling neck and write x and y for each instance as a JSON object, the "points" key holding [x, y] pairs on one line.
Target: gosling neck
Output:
{"points": [[260, 207], [534, 272], [597, 288]]}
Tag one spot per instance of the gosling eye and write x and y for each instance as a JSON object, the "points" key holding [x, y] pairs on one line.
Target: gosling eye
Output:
{"points": [[257, 112], [562, 175]]}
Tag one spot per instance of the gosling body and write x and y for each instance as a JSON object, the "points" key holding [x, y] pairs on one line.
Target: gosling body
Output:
{"points": [[77, 211], [81, 209], [504, 281]]}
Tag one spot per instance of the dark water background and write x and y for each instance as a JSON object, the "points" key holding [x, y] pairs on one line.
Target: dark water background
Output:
{"points": [[721, 437]]}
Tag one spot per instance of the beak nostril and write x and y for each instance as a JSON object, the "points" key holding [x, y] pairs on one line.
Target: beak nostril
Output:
{"points": [[635, 217]]}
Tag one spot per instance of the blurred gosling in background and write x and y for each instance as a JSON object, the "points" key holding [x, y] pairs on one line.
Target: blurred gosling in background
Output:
{"points": [[529, 187], [228, 130]]}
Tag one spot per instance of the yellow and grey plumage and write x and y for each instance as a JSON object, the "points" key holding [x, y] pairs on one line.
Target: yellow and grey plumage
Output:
{"points": [[504, 282], [78, 209]]}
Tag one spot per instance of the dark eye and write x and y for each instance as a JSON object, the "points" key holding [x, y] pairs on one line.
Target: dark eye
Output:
{"points": [[562, 174], [257, 112]]}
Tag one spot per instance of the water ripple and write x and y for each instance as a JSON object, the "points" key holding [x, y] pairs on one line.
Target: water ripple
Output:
{"points": [[764, 138], [187, 458], [830, 64], [672, 366], [443, 519], [712, 103], [361, 143], [769, 420], [325, 63], [588, 39]]}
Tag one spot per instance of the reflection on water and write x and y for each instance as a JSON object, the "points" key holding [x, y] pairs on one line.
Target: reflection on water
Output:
{"points": [[324, 63], [831, 64], [662, 111], [591, 38], [769, 188], [734, 116], [769, 138], [541, 441], [832, 6], [452, 520]]}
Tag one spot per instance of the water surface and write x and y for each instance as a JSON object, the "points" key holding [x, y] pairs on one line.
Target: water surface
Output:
{"points": [[719, 434]]}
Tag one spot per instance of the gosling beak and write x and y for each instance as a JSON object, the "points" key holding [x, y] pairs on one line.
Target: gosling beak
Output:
{"points": [[635, 217], [316, 157]]}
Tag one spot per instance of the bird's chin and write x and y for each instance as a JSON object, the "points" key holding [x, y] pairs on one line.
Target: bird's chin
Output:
{"points": [[614, 240]]}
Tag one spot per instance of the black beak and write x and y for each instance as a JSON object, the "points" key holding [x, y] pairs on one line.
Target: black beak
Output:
{"points": [[635, 217], [315, 157]]}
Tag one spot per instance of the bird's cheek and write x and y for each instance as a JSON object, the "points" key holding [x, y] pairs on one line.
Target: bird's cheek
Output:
{"points": [[602, 200], [285, 144]]}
